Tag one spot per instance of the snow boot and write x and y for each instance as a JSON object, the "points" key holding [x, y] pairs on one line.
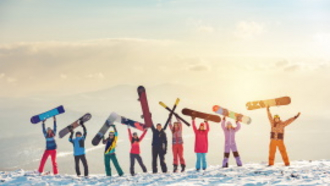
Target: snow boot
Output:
{"points": [[175, 168], [225, 163], [238, 161], [183, 167]]}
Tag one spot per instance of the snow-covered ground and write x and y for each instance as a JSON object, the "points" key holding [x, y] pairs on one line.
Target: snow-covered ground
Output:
{"points": [[299, 173]]}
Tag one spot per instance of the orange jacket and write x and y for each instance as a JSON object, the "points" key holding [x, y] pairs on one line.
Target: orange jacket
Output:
{"points": [[277, 129]]}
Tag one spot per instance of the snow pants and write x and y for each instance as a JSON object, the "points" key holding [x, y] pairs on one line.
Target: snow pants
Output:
{"points": [[272, 150], [52, 154], [137, 157], [81, 158], [155, 153], [113, 158], [231, 148], [177, 150], [201, 159]]}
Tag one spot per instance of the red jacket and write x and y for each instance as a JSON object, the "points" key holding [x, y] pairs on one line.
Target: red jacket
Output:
{"points": [[201, 138], [135, 147]]}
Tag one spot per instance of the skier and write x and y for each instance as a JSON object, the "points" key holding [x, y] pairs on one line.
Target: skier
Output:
{"points": [[109, 153], [50, 147], [201, 143], [159, 148], [230, 143], [135, 150], [177, 145], [79, 149], [277, 136]]}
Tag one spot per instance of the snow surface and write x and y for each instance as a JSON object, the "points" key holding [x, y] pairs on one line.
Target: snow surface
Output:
{"points": [[299, 173]]}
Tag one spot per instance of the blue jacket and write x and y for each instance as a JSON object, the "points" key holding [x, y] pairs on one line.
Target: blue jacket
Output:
{"points": [[50, 140], [78, 143]]}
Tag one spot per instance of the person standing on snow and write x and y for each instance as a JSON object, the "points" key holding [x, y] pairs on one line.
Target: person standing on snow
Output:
{"points": [[109, 153], [230, 143], [159, 148], [201, 143], [50, 147], [177, 145], [277, 137], [135, 150], [79, 149]]}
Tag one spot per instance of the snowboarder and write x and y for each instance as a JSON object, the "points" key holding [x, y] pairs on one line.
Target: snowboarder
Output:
{"points": [[50, 147], [177, 145], [230, 143], [135, 150], [109, 153], [277, 137], [201, 143], [79, 149], [159, 148]]}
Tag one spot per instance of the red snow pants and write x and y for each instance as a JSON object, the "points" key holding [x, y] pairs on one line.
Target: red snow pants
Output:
{"points": [[52, 154], [178, 154]]}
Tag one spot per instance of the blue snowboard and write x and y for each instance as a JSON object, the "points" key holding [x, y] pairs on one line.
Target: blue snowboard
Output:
{"points": [[40, 117]]}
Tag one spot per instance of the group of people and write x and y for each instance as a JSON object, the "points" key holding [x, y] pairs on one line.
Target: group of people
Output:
{"points": [[160, 144]]}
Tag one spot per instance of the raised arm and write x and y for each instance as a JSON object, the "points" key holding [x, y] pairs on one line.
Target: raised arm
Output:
{"points": [[143, 134], [238, 126], [194, 125], [270, 117], [43, 128], [129, 134], [55, 126], [85, 130], [289, 121], [170, 125], [71, 136], [104, 141], [115, 129], [207, 126], [153, 128]]}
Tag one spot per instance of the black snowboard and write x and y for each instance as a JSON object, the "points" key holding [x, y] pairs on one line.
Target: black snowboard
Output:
{"points": [[75, 124]]}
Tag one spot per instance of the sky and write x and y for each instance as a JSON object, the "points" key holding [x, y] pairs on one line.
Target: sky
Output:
{"points": [[204, 51]]}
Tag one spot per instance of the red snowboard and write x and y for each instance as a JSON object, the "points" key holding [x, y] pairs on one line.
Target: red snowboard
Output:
{"points": [[145, 107]]}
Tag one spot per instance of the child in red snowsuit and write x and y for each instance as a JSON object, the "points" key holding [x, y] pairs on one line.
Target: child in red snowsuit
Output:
{"points": [[177, 145]]}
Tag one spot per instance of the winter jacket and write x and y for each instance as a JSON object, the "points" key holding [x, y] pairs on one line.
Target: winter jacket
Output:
{"points": [[277, 129], [78, 143], [50, 140], [201, 138], [177, 135], [159, 139], [230, 133], [110, 144], [135, 147]]}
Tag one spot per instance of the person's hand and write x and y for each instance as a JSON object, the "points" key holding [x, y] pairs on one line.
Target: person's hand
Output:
{"points": [[81, 123], [297, 115], [193, 117], [54, 118], [267, 107], [224, 118]]}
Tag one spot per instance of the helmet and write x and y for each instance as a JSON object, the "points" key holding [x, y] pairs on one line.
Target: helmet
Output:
{"points": [[78, 133]]}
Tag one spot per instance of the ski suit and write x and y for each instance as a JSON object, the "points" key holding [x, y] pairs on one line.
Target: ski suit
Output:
{"points": [[79, 151], [50, 149], [159, 148], [230, 143], [135, 152], [277, 137], [109, 154], [201, 145], [177, 145]]}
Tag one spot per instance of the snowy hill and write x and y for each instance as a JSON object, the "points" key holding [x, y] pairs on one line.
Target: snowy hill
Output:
{"points": [[299, 173]]}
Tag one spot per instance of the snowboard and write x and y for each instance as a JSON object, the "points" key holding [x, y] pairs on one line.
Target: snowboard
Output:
{"points": [[230, 114], [174, 113], [99, 136], [201, 115], [125, 121], [145, 107], [74, 125], [171, 114], [41, 117], [270, 102]]}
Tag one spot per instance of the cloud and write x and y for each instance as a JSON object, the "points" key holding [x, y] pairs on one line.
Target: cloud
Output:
{"points": [[96, 76], [282, 63], [291, 68], [248, 29], [205, 29], [197, 64], [11, 80]]}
